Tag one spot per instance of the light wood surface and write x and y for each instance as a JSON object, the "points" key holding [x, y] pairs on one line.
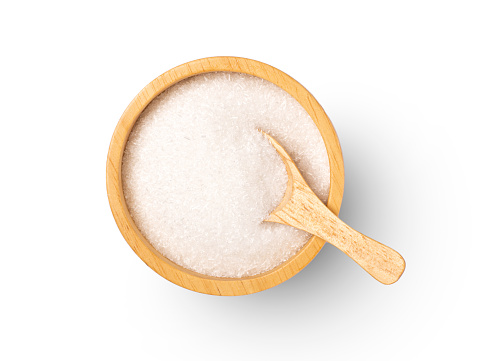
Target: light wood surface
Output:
{"points": [[302, 209], [160, 264]]}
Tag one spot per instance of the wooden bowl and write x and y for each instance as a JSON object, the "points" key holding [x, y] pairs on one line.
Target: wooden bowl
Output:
{"points": [[160, 264]]}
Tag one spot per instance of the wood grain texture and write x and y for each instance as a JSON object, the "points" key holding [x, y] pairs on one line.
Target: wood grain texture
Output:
{"points": [[301, 208], [160, 264]]}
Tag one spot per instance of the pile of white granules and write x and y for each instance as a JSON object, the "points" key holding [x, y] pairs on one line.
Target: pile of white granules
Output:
{"points": [[199, 178]]}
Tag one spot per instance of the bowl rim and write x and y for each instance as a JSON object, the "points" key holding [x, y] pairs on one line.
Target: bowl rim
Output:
{"points": [[163, 266]]}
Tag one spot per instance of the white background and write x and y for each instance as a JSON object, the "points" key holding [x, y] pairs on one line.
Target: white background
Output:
{"points": [[399, 81]]}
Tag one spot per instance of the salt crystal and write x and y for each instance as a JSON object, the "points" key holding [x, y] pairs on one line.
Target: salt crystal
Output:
{"points": [[199, 179]]}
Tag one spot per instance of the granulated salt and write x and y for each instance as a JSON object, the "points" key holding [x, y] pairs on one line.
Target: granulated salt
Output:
{"points": [[199, 179]]}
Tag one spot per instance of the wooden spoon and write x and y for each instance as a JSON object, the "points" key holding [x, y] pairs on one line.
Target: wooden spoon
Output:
{"points": [[301, 208]]}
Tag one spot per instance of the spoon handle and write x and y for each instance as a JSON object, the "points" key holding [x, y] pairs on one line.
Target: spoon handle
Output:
{"points": [[383, 263], [305, 211]]}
